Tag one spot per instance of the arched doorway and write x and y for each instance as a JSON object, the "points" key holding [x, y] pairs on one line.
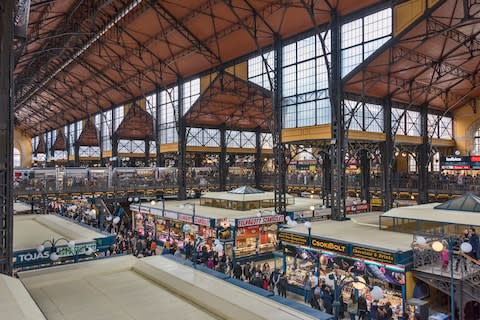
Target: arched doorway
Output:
{"points": [[17, 158]]}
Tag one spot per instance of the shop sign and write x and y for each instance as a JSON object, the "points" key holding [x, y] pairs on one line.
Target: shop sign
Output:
{"points": [[260, 220], [358, 208], [372, 254], [329, 245], [170, 214], [184, 217], [293, 238], [33, 257], [156, 211], [201, 221]]}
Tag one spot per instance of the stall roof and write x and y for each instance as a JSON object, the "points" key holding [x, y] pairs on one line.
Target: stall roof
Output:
{"points": [[362, 235], [429, 212], [241, 194], [31, 230], [130, 288], [15, 302], [432, 62], [232, 103], [468, 202], [301, 204]]}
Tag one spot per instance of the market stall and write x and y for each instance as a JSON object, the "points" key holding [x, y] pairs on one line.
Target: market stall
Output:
{"points": [[319, 257]]}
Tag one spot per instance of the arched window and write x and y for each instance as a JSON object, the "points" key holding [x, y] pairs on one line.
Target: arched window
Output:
{"points": [[17, 159], [476, 142]]}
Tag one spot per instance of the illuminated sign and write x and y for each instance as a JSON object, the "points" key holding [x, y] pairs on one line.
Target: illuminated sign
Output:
{"points": [[184, 217], [372, 254]]}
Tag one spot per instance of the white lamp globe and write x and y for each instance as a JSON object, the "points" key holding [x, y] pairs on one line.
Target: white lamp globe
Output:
{"points": [[109, 218], [71, 244], [116, 220], [130, 199], [421, 240], [40, 248], [218, 248], [89, 251], [312, 208], [54, 256], [364, 201], [376, 293], [307, 225], [136, 199], [152, 202], [259, 214], [437, 246], [466, 247]]}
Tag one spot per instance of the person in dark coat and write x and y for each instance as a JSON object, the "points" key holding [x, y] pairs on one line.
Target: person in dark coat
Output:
{"points": [[282, 285], [328, 300], [362, 307], [474, 241], [237, 271]]}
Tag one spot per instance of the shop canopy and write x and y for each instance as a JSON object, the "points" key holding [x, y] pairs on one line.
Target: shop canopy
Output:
{"points": [[469, 202], [245, 190]]}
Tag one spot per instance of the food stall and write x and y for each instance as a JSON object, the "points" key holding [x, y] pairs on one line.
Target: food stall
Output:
{"points": [[319, 257]]}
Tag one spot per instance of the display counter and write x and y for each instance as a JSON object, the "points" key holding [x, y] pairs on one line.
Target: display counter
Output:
{"points": [[251, 240]]}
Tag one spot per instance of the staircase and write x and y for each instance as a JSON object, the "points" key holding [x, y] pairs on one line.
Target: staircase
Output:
{"points": [[466, 274]]}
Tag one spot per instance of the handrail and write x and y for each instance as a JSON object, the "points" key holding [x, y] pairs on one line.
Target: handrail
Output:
{"points": [[469, 258]]}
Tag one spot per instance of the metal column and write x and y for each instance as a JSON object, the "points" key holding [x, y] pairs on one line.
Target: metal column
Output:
{"points": [[222, 161], [278, 146], [364, 175], [327, 179], [115, 150], [258, 160], [423, 158], [182, 147], [387, 155], [338, 141], [159, 159], [76, 150], [147, 152], [6, 135]]}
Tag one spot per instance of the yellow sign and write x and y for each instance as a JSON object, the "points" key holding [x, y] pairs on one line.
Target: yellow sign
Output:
{"points": [[329, 245], [292, 238], [372, 254]]}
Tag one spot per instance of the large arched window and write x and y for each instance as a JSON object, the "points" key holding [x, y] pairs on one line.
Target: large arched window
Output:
{"points": [[17, 159], [476, 142]]}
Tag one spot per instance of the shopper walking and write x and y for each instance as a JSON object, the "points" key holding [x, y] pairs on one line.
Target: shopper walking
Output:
{"points": [[474, 241], [237, 271], [362, 307], [282, 285], [307, 287], [352, 307]]}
